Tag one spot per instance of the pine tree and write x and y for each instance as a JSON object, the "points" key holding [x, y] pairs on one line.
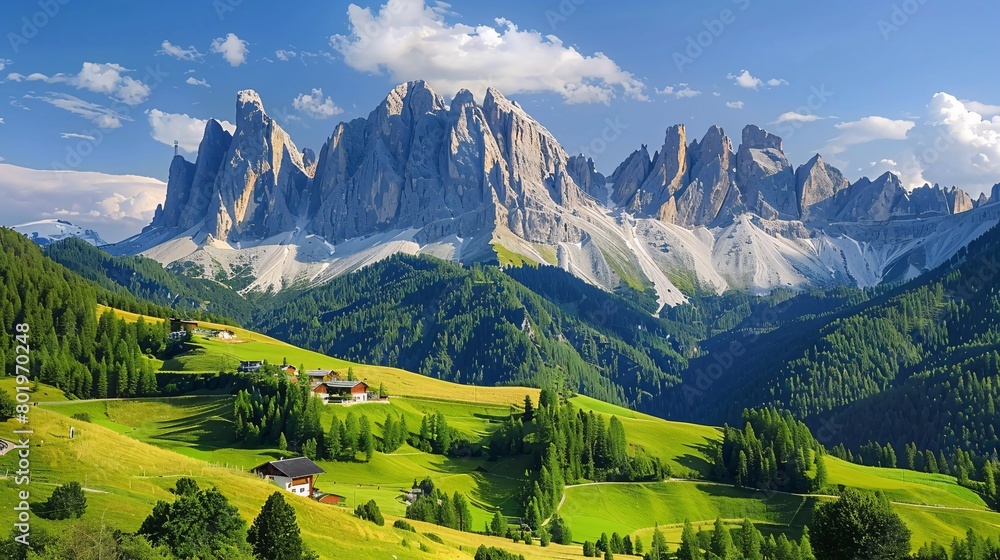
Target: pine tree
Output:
{"points": [[750, 541], [463, 513], [275, 532], [366, 441], [689, 549], [498, 526], [722, 541]]}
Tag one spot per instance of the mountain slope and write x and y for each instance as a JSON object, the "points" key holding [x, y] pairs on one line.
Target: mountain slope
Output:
{"points": [[916, 362], [145, 279], [479, 325]]}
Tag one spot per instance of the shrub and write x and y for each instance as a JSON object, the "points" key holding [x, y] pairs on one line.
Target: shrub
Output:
{"points": [[434, 538], [493, 553], [369, 511], [82, 416], [65, 502], [401, 524]]}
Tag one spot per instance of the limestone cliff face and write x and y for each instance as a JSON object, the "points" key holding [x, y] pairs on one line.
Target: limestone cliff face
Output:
{"points": [[262, 181], [816, 182], [712, 197], [191, 186], [765, 177]]}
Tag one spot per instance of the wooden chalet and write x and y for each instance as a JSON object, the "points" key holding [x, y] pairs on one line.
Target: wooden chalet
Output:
{"points": [[296, 475]]}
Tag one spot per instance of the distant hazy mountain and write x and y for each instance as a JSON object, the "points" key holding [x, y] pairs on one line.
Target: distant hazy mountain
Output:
{"points": [[471, 181], [45, 232]]}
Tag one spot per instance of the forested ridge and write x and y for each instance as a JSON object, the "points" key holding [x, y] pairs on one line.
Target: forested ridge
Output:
{"points": [[147, 280], [69, 346], [476, 324], [914, 363]]}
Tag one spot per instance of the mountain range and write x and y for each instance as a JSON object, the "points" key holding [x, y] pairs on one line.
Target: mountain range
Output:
{"points": [[484, 182], [45, 232]]}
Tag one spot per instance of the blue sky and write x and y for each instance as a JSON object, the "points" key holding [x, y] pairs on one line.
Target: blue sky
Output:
{"points": [[908, 86]]}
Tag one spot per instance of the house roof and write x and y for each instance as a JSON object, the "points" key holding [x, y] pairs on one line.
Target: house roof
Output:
{"points": [[318, 372], [295, 467], [344, 384]]}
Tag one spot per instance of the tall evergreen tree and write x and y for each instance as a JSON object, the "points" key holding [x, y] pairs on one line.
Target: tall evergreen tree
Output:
{"points": [[275, 533]]}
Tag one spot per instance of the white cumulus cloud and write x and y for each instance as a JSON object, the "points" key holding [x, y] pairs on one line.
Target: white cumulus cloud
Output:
{"points": [[186, 130], [68, 135], [116, 206], [176, 51], [191, 81], [734, 104], [746, 80], [867, 130], [409, 40], [959, 144], [106, 78], [681, 91], [232, 48], [313, 105]]}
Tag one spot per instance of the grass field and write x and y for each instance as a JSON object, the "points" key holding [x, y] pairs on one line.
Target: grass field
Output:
{"points": [[126, 477], [44, 393], [627, 508], [905, 486], [679, 445], [201, 428]]}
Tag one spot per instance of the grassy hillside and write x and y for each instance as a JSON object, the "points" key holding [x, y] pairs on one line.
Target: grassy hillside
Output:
{"points": [[627, 508], [124, 478], [206, 355]]}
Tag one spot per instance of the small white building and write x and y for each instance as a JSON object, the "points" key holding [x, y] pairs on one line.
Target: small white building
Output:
{"points": [[296, 475]]}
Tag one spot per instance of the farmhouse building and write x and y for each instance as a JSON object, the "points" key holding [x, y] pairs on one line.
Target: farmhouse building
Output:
{"points": [[320, 375], [342, 391], [297, 475], [177, 325], [250, 367]]}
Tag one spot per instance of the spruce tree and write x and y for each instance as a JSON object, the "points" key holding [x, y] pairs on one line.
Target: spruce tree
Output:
{"points": [[275, 533]]}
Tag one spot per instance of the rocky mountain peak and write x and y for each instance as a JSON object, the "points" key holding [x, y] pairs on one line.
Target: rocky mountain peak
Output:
{"points": [[815, 183], [758, 138], [765, 177]]}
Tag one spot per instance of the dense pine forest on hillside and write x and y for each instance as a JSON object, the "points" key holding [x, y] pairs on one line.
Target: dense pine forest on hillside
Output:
{"points": [[479, 325], [71, 347]]}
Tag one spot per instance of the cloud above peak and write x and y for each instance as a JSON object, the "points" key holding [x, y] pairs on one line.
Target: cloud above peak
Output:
{"points": [[314, 105], [867, 130], [233, 49], [748, 81], [190, 54], [408, 40], [165, 128]]}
